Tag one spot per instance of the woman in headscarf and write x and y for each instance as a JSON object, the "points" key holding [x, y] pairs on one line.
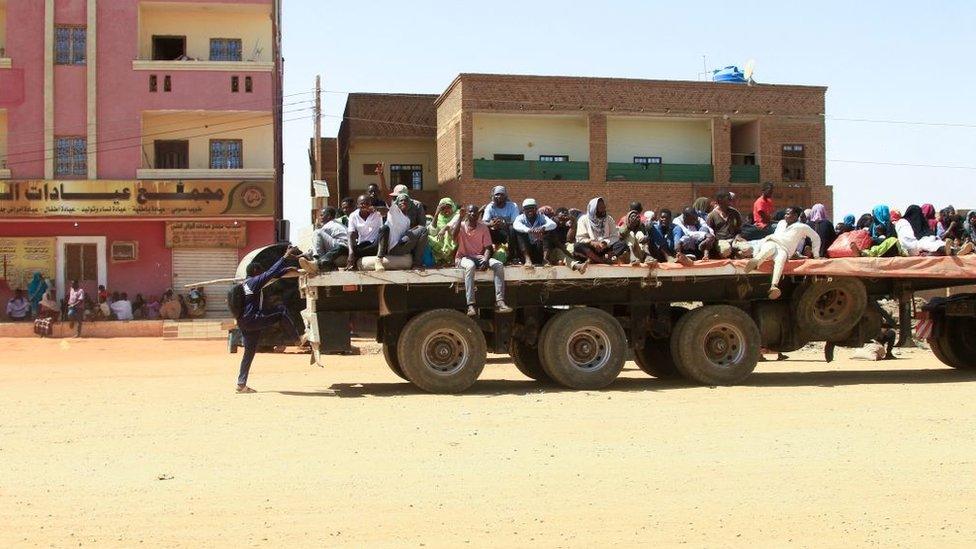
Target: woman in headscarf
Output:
{"points": [[702, 205], [971, 226], [911, 230], [597, 237], [846, 225], [48, 307], [928, 211], [817, 219], [441, 242], [881, 227], [35, 292]]}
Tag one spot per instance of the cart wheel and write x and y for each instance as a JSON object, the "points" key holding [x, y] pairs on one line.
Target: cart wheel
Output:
{"points": [[716, 345], [583, 348], [442, 351]]}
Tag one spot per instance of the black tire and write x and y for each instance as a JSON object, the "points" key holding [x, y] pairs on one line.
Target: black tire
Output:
{"points": [[442, 351], [390, 354], [955, 345], [583, 348], [716, 345], [526, 359], [827, 310], [655, 358]]}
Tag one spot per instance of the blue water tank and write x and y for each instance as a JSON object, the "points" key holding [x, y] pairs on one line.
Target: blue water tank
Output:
{"points": [[728, 74]]}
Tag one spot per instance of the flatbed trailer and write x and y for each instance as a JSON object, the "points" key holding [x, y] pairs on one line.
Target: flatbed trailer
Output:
{"points": [[578, 329]]}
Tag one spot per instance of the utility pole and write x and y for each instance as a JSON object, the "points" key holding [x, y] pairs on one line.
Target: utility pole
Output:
{"points": [[317, 147]]}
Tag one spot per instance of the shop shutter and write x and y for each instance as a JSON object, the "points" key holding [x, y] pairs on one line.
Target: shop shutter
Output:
{"points": [[193, 265]]}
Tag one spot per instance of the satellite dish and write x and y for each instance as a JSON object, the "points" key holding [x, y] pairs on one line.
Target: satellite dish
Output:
{"points": [[750, 68]]}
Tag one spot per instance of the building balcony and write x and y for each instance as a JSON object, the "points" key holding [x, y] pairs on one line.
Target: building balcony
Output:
{"points": [[531, 170], [676, 173], [245, 173], [193, 65], [744, 174]]}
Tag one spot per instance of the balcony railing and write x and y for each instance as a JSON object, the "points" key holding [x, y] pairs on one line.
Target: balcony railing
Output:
{"points": [[693, 173], [744, 174], [531, 169]]}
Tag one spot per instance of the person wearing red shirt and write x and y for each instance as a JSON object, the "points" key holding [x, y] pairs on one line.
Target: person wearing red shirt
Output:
{"points": [[762, 210], [474, 251]]}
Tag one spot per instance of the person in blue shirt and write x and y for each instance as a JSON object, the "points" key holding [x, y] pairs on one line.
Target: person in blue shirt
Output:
{"points": [[255, 319], [500, 215], [534, 232], [667, 227]]}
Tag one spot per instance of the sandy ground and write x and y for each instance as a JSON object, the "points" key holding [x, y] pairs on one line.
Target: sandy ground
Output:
{"points": [[132, 443]]}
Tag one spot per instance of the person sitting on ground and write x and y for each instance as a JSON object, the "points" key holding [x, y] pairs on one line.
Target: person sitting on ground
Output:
{"points": [[635, 206], [346, 208], [726, 223], [474, 252], [441, 240], [254, 318], [102, 294], [169, 307], [597, 238], [499, 215], [364, 231], [122, 307], [139, 307], [330, 244], [196, 303], [404, 233], [18, 307], [534, 233], [694, 239], [76, 307], [781, 245], [103, 309], [49, 306], [152, 308]]}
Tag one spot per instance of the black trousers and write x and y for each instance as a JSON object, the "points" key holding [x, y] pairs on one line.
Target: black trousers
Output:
{"points": [[538, 250]]}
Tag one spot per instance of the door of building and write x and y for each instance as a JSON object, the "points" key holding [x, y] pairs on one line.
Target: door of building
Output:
{"points": [[193, 265], [81, 264]]}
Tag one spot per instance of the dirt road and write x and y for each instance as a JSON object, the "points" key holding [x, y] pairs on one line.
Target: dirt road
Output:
{"points": [[133, 442]]}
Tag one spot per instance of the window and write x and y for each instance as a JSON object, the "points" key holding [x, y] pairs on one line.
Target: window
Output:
{"points": [[647, 160], [794, 165], [69, 45], [226, 154], [167, 83], [510, 157], [235, 84], [411, 175], [248, 84], [171, 155], [70, 157], [153, 83], [225, 49], [553, 158], [168, 48]]}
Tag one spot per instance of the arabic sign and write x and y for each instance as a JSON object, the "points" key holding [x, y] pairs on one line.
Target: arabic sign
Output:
{"points": [[197, 234], [108, 198], [20, 258]]}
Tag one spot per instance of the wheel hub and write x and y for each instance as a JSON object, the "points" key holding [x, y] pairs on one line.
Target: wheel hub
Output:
{"points": [[832, 306], [724, 345], [445, 351], [588, 348]]}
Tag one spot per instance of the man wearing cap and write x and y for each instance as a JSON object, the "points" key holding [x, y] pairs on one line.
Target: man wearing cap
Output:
{"points": [[474, 252], [534, 233], [499, 215]]}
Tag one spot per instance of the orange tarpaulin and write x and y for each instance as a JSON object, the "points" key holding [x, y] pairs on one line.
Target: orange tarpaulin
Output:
{"points": [[944, 267]]}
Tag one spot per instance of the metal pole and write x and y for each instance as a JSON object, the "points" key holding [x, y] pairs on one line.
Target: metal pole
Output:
{"points": [[318, 128]]}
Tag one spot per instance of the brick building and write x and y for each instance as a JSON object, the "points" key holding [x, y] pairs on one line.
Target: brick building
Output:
{"points": [[564, 140]]}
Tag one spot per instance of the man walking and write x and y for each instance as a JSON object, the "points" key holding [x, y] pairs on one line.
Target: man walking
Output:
{"points": [[76, 307], [254, 319]]}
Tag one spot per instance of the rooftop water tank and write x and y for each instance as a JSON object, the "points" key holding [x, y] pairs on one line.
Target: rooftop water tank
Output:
{"points": [[728, 74]]}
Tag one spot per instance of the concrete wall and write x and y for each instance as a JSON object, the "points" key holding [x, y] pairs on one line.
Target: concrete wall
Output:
{"points": [[200, 23], [531, 135], [391, 151], [676, 141], [253, 128]]}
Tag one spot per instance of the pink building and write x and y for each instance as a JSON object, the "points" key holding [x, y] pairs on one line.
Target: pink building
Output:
{"points": [[140, 141]]}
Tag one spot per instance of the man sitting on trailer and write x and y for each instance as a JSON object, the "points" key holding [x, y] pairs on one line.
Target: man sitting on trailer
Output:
{"points": [[331, 244], [726, 222], [694, 239], [781, 245], [254, 318], [405, 231], [364, 231], [597, 238], [499, 215], [534, 232], [474, 251]]}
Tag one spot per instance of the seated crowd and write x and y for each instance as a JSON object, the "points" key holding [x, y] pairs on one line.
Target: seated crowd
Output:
{"points": [[499, 233]]}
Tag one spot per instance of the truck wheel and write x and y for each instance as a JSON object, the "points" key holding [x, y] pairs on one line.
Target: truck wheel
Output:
{"points": [[655, 357], [390, 354], [716, 345], [955, 345], [827, 310], [442, 351], [526, 359], [583, 348]]}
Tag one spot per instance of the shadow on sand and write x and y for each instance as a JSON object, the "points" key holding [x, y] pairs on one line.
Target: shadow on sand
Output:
{"points": [[497, 387]]}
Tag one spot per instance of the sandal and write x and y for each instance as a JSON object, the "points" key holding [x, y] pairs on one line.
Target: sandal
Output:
{"points": [[245, 390]]}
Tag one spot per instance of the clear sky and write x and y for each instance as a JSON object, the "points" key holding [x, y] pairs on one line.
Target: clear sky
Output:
{"points": [[893, 61]]}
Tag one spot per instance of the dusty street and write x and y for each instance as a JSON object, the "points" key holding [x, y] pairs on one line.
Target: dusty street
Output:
{"points": [[133, 442]]}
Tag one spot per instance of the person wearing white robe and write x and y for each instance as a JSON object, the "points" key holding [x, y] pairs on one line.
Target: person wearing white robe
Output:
{"points": [[781, 245]]}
